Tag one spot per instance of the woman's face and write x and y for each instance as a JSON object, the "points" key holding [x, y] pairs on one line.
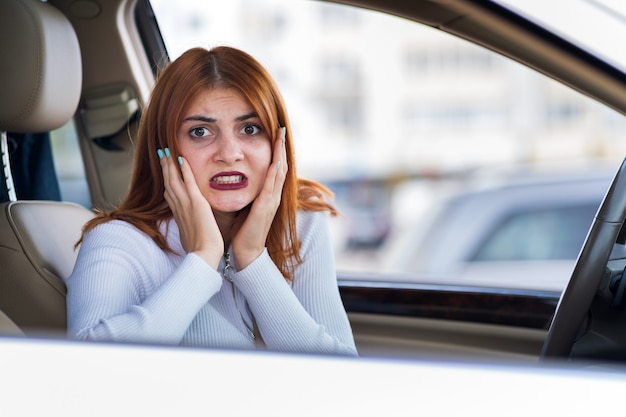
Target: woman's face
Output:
{"points": [[228, 150]]}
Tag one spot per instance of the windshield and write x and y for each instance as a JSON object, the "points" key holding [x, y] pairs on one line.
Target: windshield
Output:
{"points": [[599, 26]]}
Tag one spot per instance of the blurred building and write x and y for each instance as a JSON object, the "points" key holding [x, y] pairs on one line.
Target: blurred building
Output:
{"points": [[406, 102]]}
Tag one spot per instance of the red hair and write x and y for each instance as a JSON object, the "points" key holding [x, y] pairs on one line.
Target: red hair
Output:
{"points": [[176, 87]]}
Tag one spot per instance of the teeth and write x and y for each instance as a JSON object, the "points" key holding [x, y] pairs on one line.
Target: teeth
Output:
{"points": [[230, 179]]}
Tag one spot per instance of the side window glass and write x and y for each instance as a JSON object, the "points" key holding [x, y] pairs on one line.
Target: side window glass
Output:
{"points": [[69, 165], [393, 115]]}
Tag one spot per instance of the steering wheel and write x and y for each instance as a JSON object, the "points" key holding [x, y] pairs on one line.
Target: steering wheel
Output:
{"points": [[575, 301]]}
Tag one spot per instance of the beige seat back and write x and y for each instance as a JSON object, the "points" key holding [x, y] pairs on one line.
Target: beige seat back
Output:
{"points": [[37, 254], [40, 86], [8, 327]]}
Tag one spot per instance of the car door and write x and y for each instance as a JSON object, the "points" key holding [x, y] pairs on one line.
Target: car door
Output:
{"points": [[390, 102]]}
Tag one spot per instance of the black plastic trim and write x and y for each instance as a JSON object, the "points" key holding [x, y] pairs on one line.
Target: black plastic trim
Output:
{"points": [[520, 308]]}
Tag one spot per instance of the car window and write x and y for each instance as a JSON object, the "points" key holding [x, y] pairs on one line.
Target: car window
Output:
{"points": [[69, 165], [537, 235], [393, 115]]}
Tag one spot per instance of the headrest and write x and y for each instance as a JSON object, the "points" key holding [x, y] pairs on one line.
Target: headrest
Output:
{"points": [[40, 67]]}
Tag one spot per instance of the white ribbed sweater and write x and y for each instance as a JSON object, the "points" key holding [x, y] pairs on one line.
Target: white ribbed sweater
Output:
{"points": [[125, 288]]}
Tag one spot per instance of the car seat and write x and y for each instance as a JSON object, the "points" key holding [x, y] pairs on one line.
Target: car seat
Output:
{"points": [[40, 87]]}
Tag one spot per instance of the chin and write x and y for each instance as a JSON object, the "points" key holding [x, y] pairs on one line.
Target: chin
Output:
{"points": [[228, 207]]}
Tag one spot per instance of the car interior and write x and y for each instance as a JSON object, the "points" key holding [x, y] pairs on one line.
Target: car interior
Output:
{"points": [[53, 79], [37, 238]]}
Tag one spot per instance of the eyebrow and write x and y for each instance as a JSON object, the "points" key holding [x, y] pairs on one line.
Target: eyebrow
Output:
{"points": [[198, 118], [252, 115]]}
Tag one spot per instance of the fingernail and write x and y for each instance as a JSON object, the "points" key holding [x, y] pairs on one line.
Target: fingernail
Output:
{"points": [[284, 130], [180, 160], [160, 153], [167, 152], [277, 165]]}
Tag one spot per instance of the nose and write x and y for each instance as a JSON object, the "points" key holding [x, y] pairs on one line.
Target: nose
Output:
{"points": [[229, 149]]}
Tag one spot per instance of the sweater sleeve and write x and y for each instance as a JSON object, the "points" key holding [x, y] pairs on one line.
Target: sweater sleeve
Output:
{"points": [[118, 290], [307, 316]]}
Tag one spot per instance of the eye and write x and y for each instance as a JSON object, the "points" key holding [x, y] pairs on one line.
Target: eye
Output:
{"points": [[251, 129], [199, 132]]}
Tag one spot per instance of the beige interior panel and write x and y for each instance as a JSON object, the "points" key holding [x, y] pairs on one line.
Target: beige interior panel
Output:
{"points": [[108, 171], [8, 327], [405, 337]]}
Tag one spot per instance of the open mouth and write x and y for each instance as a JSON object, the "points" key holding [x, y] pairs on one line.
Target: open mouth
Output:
{"points": [[229, 181]]}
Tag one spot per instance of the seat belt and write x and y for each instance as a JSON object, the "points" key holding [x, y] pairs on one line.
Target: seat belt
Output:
{"points": [[6, 167]]}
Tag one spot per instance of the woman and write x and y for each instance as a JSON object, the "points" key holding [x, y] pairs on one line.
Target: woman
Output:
{"points": [[218, 243]]}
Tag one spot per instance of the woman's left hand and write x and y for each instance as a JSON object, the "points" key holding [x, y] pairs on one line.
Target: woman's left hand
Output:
{"points": [[249, 242]]}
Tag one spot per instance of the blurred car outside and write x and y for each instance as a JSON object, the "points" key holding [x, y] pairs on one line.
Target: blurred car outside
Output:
{"points": [[521, 231], [365, 211]]}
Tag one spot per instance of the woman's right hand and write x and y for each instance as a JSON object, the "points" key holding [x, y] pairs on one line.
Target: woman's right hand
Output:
{"points": [[199, 232]]}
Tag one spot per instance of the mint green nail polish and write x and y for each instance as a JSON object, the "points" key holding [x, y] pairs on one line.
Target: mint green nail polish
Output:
{"points": [[167, 152], [160, 153], [284, 129], [277, 165], [180, 160]]}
